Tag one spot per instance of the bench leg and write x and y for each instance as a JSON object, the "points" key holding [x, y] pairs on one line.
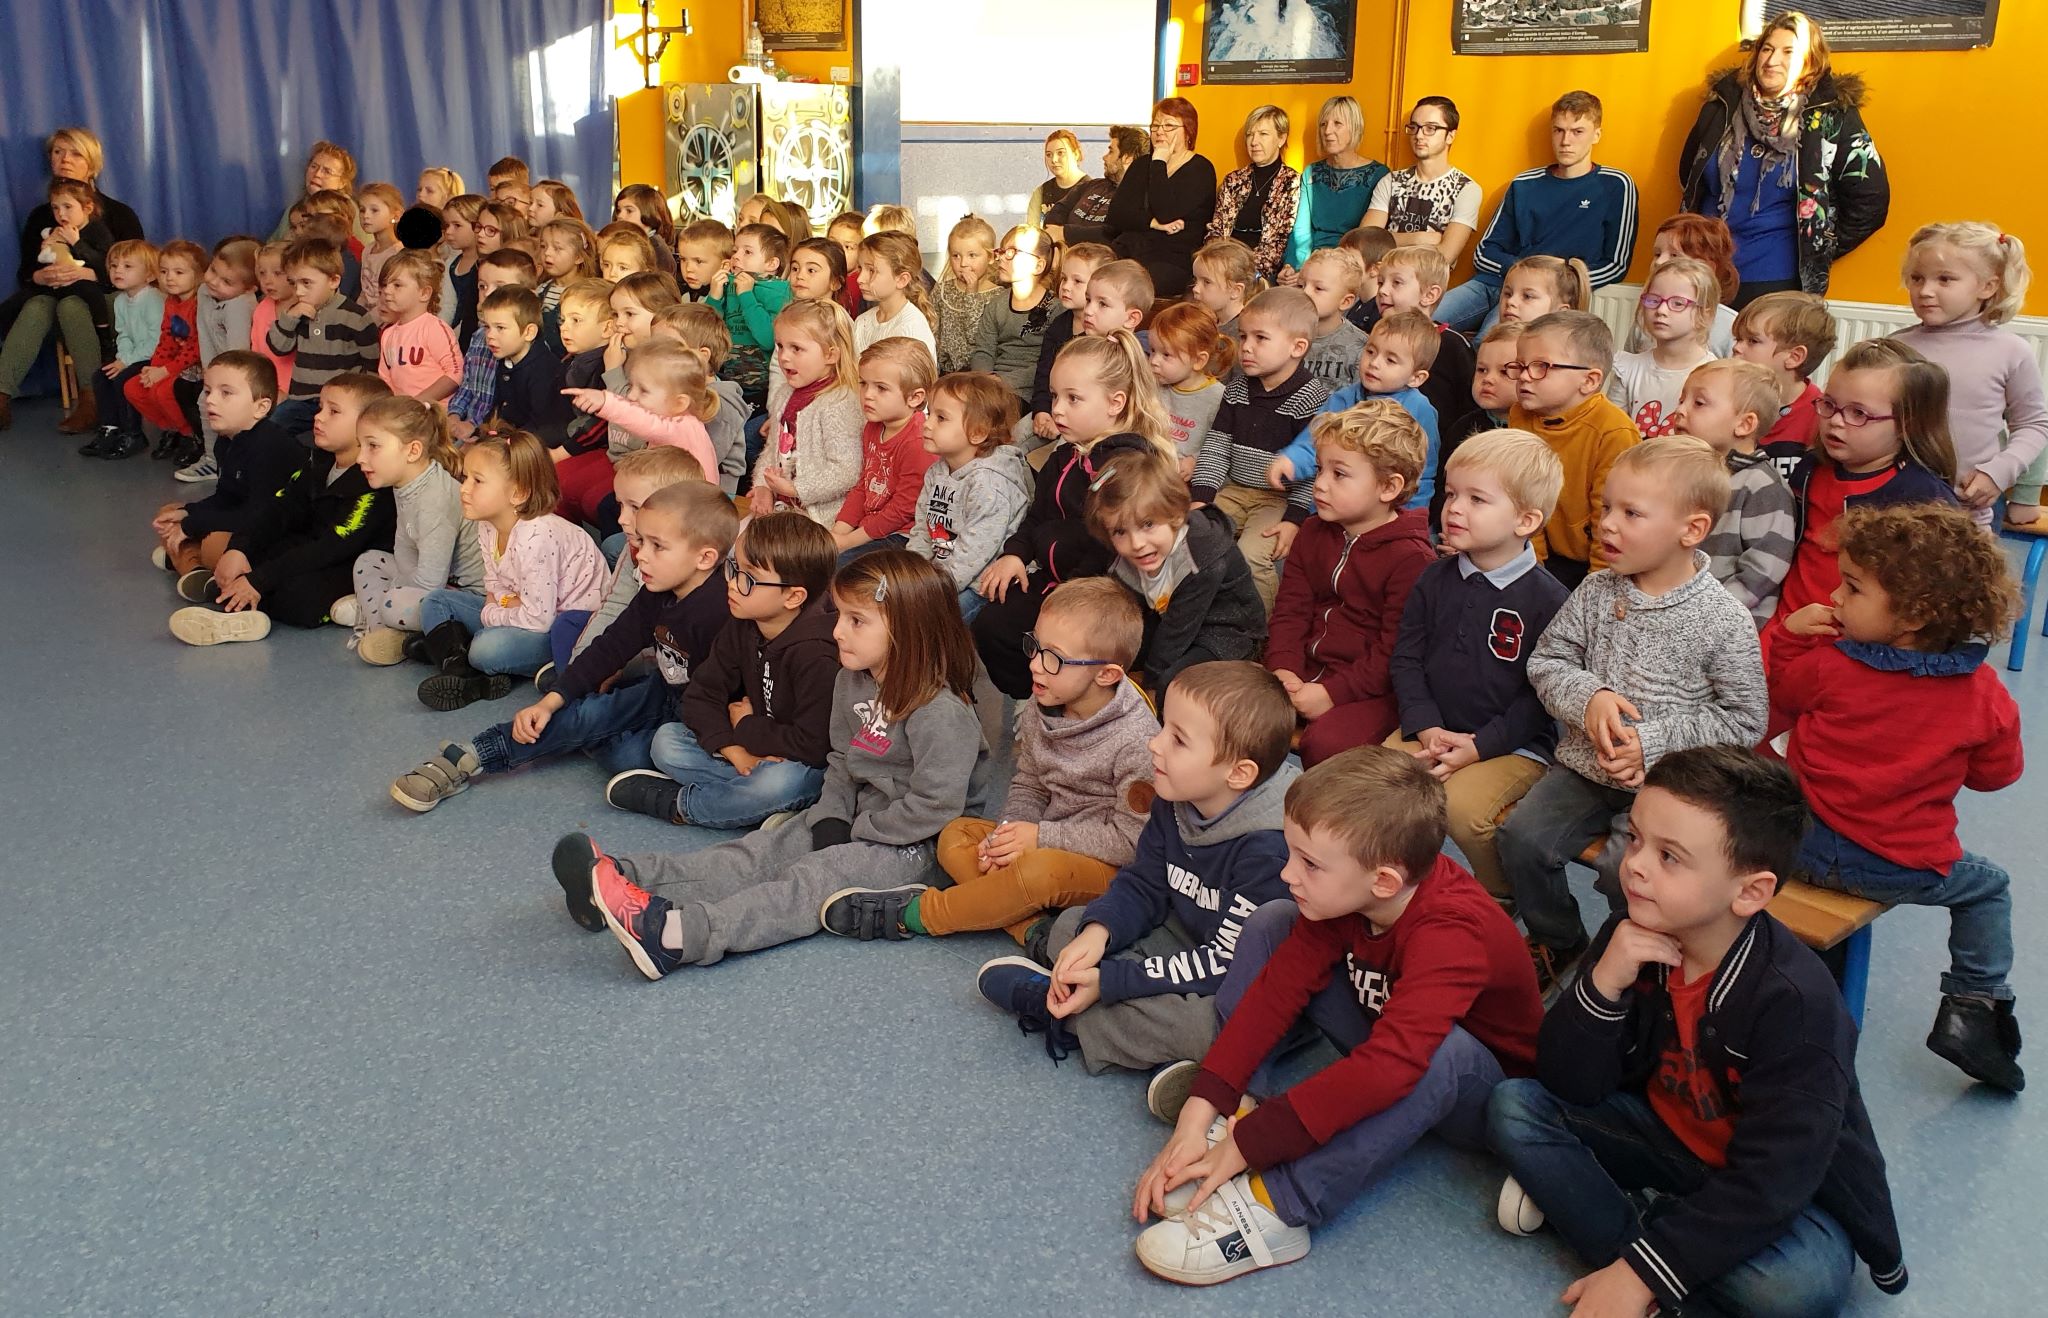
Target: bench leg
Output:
{"points": [[1856, 972], [2030, 581]]}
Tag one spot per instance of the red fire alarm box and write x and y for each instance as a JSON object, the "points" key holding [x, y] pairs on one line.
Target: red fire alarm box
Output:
{"points": [[1187, 75]]}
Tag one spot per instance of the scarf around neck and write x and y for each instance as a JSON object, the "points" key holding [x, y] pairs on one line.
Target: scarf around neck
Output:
{"points": [[1769, 129]]}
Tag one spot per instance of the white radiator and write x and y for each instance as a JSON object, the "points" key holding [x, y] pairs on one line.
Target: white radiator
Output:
{"points": [[1854, 321]]}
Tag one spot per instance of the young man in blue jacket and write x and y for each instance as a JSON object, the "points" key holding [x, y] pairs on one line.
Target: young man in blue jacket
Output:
{"points": [[1135, 972], [1695, 1131], [1571, 207]]}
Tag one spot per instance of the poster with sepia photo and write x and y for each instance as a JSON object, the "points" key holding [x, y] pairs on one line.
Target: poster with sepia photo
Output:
{"points": [[1887, 24], [1279, 40], [1550, 27], [802, 24]]}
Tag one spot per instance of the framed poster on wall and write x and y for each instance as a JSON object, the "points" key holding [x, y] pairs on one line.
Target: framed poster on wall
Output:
{"points": [[1279, 40], [1550, 27], [1887, 24], [802, 24]]}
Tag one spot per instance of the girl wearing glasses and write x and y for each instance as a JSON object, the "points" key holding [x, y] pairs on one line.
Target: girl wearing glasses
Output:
{"points": [[1884, 439], [1703, 239], [1675, 314]]}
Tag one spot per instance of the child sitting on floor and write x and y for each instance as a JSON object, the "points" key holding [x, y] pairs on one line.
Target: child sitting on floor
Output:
{"points": [[405, 448], [256, 458], [1080, 795], [1391, 953], [325, 331], [1339, 611], [1195, 590], [475, 399], [1135, 971], [1077, 266], [291, 560], [417, 353], [1695, 1130], [152, 391], [1647, 657], [911, 730], [1460, 664], [535, 564], [752, 737], [1331, 278], [666, 391], [750, 293], [684, 531], [962, 296], [1888, 724], [1395, 364]]}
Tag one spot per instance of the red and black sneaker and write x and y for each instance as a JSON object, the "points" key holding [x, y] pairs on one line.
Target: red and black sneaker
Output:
{"points": [[636, 917], [1554, 965], [575, 857]]}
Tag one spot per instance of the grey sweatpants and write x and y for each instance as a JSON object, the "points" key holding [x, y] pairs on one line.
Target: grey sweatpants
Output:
{"points": [[766, 888], [1138, 1034]]}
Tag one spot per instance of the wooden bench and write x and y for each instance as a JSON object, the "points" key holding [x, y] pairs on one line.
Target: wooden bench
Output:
{"points": [[1822, 918]]}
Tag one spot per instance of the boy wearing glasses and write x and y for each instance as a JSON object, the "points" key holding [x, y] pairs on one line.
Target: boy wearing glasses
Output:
{"points": [[681, 534], [1431, 203], [1562, 362], [1135, 972], [1080, 796], [757, 713]]}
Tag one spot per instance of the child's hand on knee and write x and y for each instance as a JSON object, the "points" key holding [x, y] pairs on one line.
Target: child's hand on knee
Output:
{"points": [[529, 723], [1282, 535], [1455, 750]]}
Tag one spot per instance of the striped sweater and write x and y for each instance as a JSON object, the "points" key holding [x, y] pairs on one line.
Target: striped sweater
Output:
{"points": [[1252, 425], [1751, 547], [1687, 660], [339, 337]]}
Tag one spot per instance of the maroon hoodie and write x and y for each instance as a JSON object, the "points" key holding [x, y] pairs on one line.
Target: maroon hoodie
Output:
{"points": [[1339, 608]]}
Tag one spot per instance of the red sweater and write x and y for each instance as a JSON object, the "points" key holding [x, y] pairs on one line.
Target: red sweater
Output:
{"points": [[884, 499], [1338, 612], [177, 346], [1883, 739], [1452, 958]]}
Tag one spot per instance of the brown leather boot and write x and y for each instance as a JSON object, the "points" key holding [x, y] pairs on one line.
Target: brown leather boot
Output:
{"points": [[83, 416], [6, 411]]}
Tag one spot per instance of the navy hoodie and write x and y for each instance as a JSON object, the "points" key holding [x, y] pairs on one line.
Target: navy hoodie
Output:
{"points": [[1209, 874]]}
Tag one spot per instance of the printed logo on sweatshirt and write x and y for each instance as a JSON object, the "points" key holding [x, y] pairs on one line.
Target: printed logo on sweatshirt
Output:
{"points": [[873, 736], [1372, 987], [938, 512], [671, 660], [1213, 957], [767, 690], [1505, 637]]}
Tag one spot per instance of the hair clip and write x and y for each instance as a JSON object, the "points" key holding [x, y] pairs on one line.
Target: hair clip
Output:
{"points": [[881, 589], [1095, 486]]}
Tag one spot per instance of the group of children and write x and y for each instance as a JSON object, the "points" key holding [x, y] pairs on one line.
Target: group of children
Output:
{"points": [[1520, 595]]}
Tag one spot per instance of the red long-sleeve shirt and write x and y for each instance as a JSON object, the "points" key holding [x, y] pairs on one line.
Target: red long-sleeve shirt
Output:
{"points": [[1338, 613], [1452, 958], [884, 499], [177, 347], [1883, 739]]}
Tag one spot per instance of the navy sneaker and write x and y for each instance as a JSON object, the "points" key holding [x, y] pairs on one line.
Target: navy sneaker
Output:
{"points": [[869, 913], [1018, 986], [575, 856]]}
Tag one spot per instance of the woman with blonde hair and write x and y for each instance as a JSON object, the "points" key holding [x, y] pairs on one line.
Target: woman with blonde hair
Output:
{"points": [[1256, 204], [1336, 190]]}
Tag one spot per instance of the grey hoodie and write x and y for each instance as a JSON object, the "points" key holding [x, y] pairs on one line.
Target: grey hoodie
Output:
{"points": [[963, 517], [1086, 783], [898, 782]]}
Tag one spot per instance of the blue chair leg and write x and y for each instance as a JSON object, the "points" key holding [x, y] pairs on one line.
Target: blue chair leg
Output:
{"points": [[2030, 581], [1856, 972]]}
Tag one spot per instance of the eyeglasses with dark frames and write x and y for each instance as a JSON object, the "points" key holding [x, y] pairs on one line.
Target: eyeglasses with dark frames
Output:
{"points": [[745, 580], [1054, 660]]}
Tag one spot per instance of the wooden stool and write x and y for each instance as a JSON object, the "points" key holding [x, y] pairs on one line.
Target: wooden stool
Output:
{"points": [[67, 376]]}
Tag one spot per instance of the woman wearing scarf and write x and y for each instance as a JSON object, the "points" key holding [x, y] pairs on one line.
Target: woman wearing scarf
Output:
{"points": [[1256, 204], [1780, 152]]}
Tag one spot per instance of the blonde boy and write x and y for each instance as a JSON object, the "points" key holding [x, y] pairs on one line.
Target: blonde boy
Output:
{"points": [[702, 249], [1119, 298], [1564, 360], [1413, 279], [1750, 548], [1460, 666], [1331, 278], [1395, 364]]}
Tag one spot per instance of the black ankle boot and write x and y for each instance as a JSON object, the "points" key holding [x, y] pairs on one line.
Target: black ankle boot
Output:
{"points": [[1981, 1038], [457, 683]]}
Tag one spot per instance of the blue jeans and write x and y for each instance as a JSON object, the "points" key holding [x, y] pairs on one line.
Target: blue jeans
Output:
{"points": [[970, 604], [717, 795], [491, 649], [873, 546], [295, 415], [614, 545], [1475, 301], [1581, 1165], [1449, 1098], [756, 433], [1978, 895], [615, 727], [1550, 826], [563, 634]]}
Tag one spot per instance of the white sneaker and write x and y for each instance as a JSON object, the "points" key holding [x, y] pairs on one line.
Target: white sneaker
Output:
{"points": [[206, 469], [343, 612], [1180, 1196], [196, 626], [159, 559], [778, 819], [1232, 1233], [1516, 1212]]}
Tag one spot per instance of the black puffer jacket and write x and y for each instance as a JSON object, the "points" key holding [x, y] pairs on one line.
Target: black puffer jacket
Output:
{"points": [[1844, 195]]}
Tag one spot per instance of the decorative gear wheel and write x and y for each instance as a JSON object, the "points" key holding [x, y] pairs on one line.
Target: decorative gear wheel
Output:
{"points": [[703, 171], [813, 168]]}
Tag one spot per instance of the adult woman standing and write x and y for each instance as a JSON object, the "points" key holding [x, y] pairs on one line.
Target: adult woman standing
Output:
{"points": [[29, 316], [1050, 200], [1336, 190], [1162, 208], [1780, 152], [1256, 204], [329, 168]]}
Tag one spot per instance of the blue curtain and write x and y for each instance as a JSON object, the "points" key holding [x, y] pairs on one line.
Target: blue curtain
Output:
{"points": [[206, 107]]}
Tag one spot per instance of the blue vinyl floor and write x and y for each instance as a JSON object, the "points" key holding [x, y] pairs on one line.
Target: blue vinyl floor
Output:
{"points": [[273, 1045]]}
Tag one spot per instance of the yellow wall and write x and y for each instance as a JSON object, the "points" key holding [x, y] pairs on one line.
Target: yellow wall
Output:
{"points": [[1914, 113]]}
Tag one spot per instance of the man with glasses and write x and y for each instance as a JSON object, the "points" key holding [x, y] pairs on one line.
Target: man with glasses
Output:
{"points": [[1571, 207], [1431, 203], [1088, 207]]}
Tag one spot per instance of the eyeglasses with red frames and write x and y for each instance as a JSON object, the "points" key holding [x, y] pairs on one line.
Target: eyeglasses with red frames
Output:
{"points": [[1651, 301], [1537, 370], [1852, 414]]}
